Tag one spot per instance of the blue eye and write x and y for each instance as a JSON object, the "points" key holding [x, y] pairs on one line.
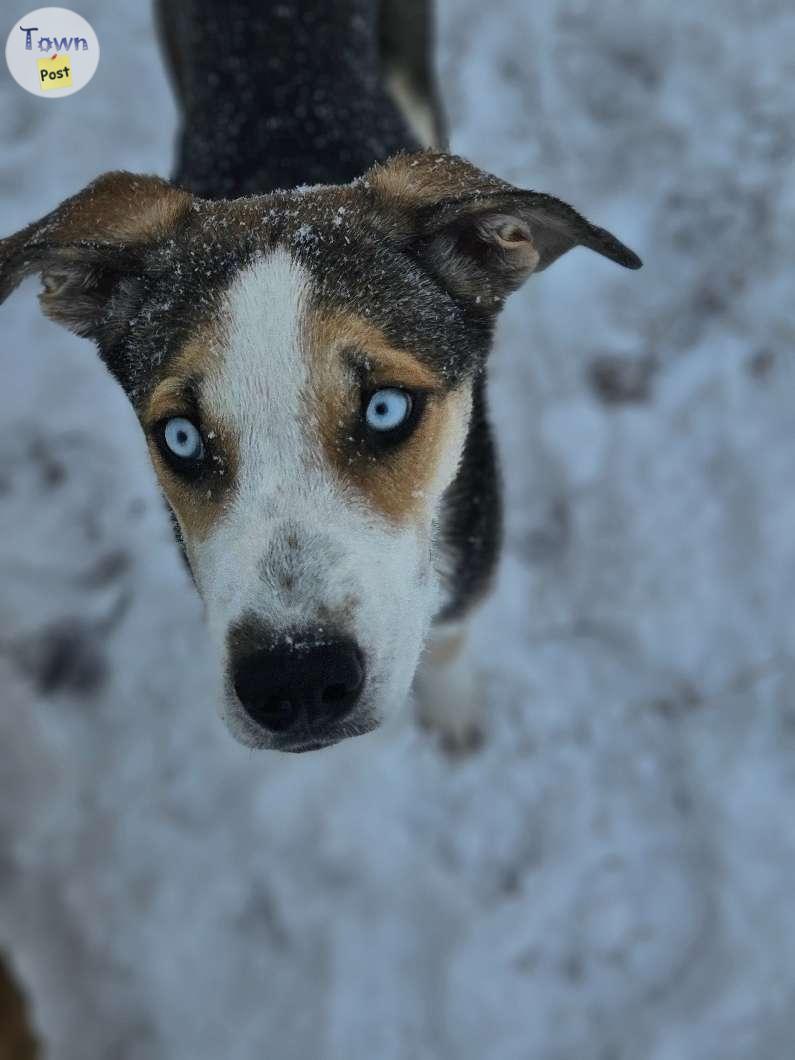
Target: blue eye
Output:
{"points": [[388, 409], [183, 439]]}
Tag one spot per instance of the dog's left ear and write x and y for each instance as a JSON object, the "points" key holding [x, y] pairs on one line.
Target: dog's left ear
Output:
{"points": [[90, 251], [479, 236]]}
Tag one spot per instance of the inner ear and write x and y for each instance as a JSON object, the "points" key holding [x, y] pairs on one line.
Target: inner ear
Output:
{"points": [[82, 285], [513, 238], [506, 231], [484, 253], [481, 258]]}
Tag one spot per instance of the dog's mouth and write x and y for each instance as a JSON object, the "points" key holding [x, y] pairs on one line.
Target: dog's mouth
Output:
{"points": [[298, 745], [302, 741]]}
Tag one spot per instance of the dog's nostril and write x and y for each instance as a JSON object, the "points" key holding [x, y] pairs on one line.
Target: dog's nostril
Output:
{"points": [[296, 681], [346, 681]]}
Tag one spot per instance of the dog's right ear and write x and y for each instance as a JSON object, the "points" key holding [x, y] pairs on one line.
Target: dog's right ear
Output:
{"points": [[477, 235], [90, 252]]}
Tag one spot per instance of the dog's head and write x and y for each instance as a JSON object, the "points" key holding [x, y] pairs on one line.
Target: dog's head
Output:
{"points": [[302, 366]]}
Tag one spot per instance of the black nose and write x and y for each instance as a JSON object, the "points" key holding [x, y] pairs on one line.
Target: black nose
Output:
{"points": [[294, 681]]}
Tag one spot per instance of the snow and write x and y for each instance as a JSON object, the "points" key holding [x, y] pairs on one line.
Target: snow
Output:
{"points": [[609, 877]]}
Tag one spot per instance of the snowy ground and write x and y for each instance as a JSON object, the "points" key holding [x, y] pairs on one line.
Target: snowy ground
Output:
{"points": [[610, 878]]}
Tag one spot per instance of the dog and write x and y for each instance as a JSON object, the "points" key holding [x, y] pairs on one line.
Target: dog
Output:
{"points": [[302, 321]]}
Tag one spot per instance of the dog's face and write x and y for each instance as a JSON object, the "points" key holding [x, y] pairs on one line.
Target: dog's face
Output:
{"points": [[304, 453], [302, 366]]}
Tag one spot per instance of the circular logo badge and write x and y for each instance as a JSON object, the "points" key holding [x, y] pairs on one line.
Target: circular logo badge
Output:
{"points": [[52, 52]]}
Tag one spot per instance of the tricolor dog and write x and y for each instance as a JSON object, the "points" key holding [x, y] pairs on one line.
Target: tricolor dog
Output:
{"points": [[308, 364]]}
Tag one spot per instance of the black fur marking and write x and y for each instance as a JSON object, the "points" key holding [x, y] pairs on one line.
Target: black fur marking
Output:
{"points": [[472, 516], [276, 95]]}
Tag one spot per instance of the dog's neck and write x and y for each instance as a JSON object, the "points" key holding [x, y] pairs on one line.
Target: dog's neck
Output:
{"points": [[277, 95]]}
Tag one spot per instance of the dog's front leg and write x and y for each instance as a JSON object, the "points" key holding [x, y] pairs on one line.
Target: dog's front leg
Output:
{"points": [[447, 691]]}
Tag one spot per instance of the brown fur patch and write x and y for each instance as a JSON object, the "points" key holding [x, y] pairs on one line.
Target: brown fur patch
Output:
{"points": [[397, 483], [198, 504], [429, 177], [17, 1040], [330, 333], [121, 207]]}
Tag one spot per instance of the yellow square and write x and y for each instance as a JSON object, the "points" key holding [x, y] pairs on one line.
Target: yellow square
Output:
{"points": [[55, 72]]}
